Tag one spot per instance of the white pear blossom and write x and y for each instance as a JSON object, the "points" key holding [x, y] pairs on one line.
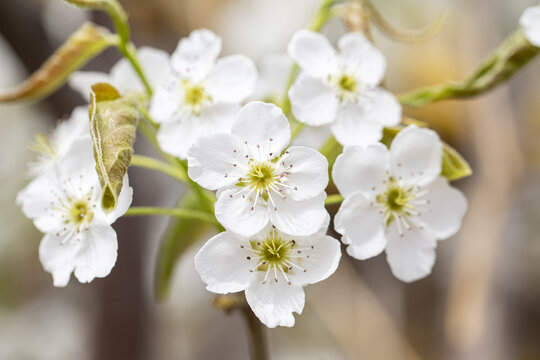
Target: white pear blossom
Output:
{"points": [[54, 148], [64, 203], [530, 22], [396, 200], [271, 267], [201, 94], [154, 63], [342, 89], [257, 179]]}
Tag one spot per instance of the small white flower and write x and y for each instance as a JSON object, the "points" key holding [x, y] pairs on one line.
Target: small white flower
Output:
{"points": [[64, 203], [271, 267], [342, 89], [54, 148], [530, 22], [396, 200], [154, 63], [201, 94], [257, 180]]}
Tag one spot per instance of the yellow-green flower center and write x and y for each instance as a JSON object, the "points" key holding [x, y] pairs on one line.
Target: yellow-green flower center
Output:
{"points": [[261, 175], [273, 251], [80, 213], [195, 96], [396, 201], [347, 83]]}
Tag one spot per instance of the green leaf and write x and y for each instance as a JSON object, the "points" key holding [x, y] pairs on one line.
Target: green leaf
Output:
{"points": [[113, 124], [513, 54], [180, 235], [454, 166], [84, 44]]}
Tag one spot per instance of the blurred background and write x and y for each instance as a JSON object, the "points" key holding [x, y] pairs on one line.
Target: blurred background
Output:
{"points": [[482, 300]]}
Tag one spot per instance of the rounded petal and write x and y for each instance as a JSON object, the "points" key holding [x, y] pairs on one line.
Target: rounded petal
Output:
{"points": [[300, 218], [274, 302], [358, 54], [232, 80], [322, 262], [177, 137], [238, 213], [223, 265], [361, 169], [262, 126], [123, 203], [530, 21], [195, 55], [308, 172], [445, 210], [313, 53], [217, 161], [274, 72], [313, 101], [57, 257], [416, 156], [82, 81], [167, 99], [362, 227], [352, 128], [156, 64], [382, 108], [97, 254], [411, 256]]}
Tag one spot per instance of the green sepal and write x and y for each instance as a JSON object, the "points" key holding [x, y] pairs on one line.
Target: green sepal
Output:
{"points": [[83, 45], [113, 125]]}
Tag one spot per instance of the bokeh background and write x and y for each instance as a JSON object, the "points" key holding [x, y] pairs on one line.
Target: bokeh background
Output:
{"points": [[482, 300]]}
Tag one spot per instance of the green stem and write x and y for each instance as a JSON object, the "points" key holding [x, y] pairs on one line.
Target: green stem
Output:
{"points": [[154, 164], [130, 53], [182, 213], [256, 335], [333, 199]]}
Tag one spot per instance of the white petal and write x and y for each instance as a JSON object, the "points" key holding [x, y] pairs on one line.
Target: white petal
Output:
{"points": [[264, 125], [361, 169], [530, 21], [232, 80], [195, 55], [382, 108], [177, 137], [446, 208], [416, 156], [359, 55], [300, 218], [322, 262], [274, 302], [362, 227], [352, 128], [97, 255], [308, 172], [274, 71], [313, 101], [223, 265], [167, 99], [217, 161], [82, 81], [235, 214], [411, 256], [313, 52], [123, 202], [58, 258], [156, 64]]}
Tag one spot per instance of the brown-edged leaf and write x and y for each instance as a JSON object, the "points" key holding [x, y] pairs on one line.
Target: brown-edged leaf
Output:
{"points": [[113, 124], [88, 41]]}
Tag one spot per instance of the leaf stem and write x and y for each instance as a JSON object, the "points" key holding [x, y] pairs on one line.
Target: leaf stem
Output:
{"points": [[130, 53], [182, 213], [154, 164], [333, 199]]}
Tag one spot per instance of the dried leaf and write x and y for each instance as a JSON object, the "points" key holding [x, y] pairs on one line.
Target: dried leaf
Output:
{"points": [[84, 44], [113, 124]]}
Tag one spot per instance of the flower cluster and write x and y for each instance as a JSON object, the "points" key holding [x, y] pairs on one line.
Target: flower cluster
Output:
{"points": [[63, 200], [270, 196]]}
